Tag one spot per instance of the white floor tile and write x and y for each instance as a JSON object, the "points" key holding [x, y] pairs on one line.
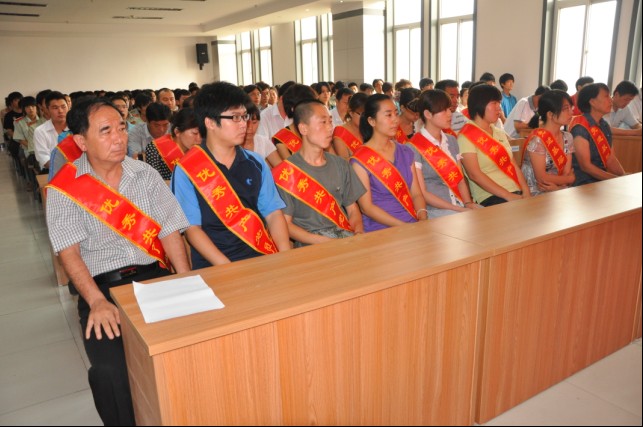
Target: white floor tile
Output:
{"points": [[615, 379], [26, 295], [31, 329], [76, 409], [40, 374], [567, 405]]}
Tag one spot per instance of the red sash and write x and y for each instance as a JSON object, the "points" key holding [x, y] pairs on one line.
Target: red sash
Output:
{"points": [[69, 149], [388, 175], [306, 189], [288, 138], [400, 136], [465, 113], [597, 134], [351, 141], [491, 148], [112, 209], [442, 163], [554, 150], [169, 150], [213, 186], [450, 131]]}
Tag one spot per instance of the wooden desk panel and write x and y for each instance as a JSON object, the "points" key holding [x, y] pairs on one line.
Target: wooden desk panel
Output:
{"points": [[386, 321], [628, 151]]}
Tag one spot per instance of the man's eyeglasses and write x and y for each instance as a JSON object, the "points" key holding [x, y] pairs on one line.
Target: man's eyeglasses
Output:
{"points": [[236, 117]]}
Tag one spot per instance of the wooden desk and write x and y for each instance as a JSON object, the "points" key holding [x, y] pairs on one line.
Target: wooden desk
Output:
{"points": [[564, 286], [628, 151], [61, 276], [378, 329]]}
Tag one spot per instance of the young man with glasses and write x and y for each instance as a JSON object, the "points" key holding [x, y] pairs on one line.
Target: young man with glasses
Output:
{"points": [[226, 192]]}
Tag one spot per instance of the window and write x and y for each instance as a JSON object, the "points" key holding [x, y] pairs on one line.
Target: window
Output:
{"points": [[265, 55], [227, 59], [455, 34], [407, 40], [245, 58], [307, 31], [583, 40]]}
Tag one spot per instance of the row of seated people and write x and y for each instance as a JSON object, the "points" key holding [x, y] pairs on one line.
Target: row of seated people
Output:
{"points": [[112, 219]]}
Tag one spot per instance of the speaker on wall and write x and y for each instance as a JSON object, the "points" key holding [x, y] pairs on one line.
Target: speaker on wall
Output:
{"points": [[202, 54]]}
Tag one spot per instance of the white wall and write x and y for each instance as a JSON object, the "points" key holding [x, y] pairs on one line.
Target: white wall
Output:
{"points": [[67, 64], [283, 53], [508, 37]]}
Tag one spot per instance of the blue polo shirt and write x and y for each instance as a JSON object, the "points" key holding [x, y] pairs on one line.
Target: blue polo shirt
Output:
{"points": [[251, 179], [508, 103]]}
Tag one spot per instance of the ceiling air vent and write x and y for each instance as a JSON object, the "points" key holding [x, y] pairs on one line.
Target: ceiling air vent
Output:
{"points": [[15, 3], [31, 15], [162, 9], [137, 17]]}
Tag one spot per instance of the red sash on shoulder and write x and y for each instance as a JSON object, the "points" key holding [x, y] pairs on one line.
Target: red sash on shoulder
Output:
{"points": [[450, 131], [169, 150], [69, 149], [555, 152], [491, 148], [224, 201], [465, 113], [289, 139], [112, 209], [351, 141], [400, 136], [388, 175], [442, 163], [604, 149], [306, 189]]}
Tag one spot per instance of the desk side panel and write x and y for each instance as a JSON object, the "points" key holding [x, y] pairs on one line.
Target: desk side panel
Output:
{"points": [[402, 356], [628, 151], [556, 307]]}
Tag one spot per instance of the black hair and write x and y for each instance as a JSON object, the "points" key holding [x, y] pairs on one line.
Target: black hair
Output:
{"points": [[626, 87], [142, 100], [249, 88], [387, 86], [479, 96], [157, 112], [365, 86], [377, 80], [78, 116], [13, 96], [28, 101], [262, 86], [434, 101], [318, 87], [42, 95], [542, 89], [188, 102], [552, 102], [505, 78], [296, 94], [371, 108], [356, 102], [425, 82], [303, 111], [559, 85], [343, 92], [589, 92], [585, 80], [487, 77], [444, 84], [215, 98], [183, 120], [281, 90], [253, 111], [407, 95], [52, 96]]}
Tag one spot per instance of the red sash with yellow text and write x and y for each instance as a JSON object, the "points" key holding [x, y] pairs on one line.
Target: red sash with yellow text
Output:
{"points": [[306, 189], [442, 163], [555, 152], [491, 148], [289, 138], [388, 175], [400, 136], [351, 141], [224, 201], [169, 150], [69, 149], [604, 149], [450, 131], [112, 209]]}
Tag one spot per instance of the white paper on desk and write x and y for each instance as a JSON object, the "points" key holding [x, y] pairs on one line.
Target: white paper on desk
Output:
{"points": [[175, 298]]}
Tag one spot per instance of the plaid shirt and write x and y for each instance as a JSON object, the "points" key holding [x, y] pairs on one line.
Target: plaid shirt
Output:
{"points": [[101, 248]]}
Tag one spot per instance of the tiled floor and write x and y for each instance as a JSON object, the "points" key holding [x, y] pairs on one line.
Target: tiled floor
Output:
{"points": [[43, 367]]}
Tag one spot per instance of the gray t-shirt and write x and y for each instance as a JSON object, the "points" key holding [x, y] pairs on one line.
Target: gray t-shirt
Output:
{"points": [[337, 177]]}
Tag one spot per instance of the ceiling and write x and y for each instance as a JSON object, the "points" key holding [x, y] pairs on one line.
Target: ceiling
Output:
{"points": [[155, 17]]}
